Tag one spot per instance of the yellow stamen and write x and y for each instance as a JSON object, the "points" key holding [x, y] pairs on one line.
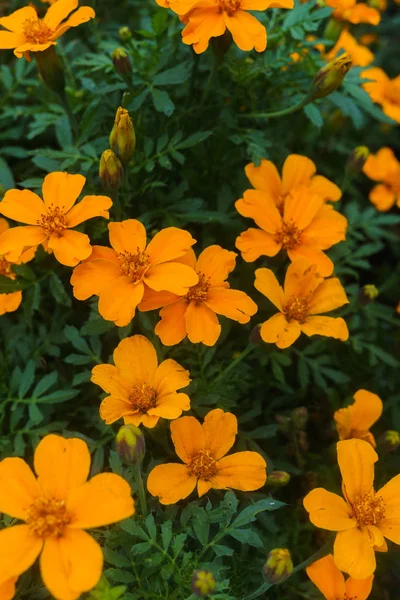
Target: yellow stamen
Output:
{"points": [[296, 309], [142, 397], [5, 268], [289, 235], [36, 31], [229, 6], [134, 266], [199, 292], [53, 221], [203, 465], [48, 517], [368, 509]]}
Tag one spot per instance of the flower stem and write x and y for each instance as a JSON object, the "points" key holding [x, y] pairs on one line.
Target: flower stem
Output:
{"points": [[211, 77], [279, 113], [249, 348], [137, 475]]}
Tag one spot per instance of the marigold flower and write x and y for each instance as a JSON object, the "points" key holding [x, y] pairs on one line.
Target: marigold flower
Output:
{"points": [[202, 448], [356, 420], [26, 32], [384, 91], [354, 12], [306, 227], [121, 275], [305, 296], [205, 19], [195, 313], [141, 390], [56, 508], [50, 220], [331, 583], [361, 55], [364, 518], [385, 168]]}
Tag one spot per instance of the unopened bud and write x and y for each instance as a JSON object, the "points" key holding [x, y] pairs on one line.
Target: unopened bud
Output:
{"points": [[111, 171], [277, 479], [367, 294], [357, 159], [125, 34], [330, 77], [333, 30], [121, 62], [389, 441], [279, 566], [130, 444], [122, 136], [51, 69], [300, 417], [203, 583]]}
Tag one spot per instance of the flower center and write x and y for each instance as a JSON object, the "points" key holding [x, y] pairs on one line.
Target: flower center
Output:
{"points": [[203, 465], [142, 397], [296, 309], [289, 235], [199, 292], [5, 268], [134, 266], [368, 509], [36, 31], [48, 517], [53, 221], [229, 6]]}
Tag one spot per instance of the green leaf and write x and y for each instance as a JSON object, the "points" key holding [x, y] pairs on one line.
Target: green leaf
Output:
{"points": [[151, 527], [166, 534], [249, 514], [221, 550], [27, 379], [247, 536], [6, 176], [162, 102], [174, 76], [314, 114], [193, 140]]}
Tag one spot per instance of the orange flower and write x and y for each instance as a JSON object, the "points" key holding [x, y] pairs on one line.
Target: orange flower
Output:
{"points": [[384, 91], [195, 313], [141, 390], [51, 220], [305, 296], [330, 581], [307, 226], [10, 302], [354, 12], [365, 518], [356, 420], [205, 19], [27, 33], [56, 508], [385, 168], [202, 448], [361, 55], [123, 274]]}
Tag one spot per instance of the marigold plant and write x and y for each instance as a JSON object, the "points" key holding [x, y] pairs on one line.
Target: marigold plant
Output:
{"points": [[385, 168], [384, 90], [356, 420], [333, 586]]}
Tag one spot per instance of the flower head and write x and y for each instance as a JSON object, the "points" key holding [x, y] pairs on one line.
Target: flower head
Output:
{"points": [[26, 32], [141, 390], [304, 297], [364, 518], [51, 220], [205, 19], [356, 420], [195, 313], [123, 274], [331, 583], [202, 448], [384, 91], [385, 168], [304, 226], [354, 12], [203, 583], [56, 507]]}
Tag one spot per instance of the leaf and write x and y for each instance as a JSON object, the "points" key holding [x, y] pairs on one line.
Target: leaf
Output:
{"points": [[162, 102], [176, 75], [151, 527], [166, 534], [194, 139], [314, 114], [27, 379], [249, 514], [221, 550], [6, 176], [247, 536], [44, 384]]}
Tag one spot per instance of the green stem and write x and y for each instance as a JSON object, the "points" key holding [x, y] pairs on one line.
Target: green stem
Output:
{"points": [[249, 348], [137, 475], [211, 77], [279, 113], [64, 102], [116, 204]]}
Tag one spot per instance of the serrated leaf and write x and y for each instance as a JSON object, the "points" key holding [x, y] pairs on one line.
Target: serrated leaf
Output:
{"points": [[249, 514]]}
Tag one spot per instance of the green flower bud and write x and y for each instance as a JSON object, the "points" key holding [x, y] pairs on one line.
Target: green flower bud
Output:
{"points": [[278, 566], [357, 159], [122, 136], [277, 479], [51, 69], [329, 78], [389, 441], [333, 30], [367, 294], [121, 62], [111, 171], [203, 583], [125, 34], [130, 444]]}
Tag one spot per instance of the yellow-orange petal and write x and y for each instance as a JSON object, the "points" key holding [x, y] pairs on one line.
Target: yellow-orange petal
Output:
{"points": [[277, 330], [168, 244], [254, 243], [245, 471], [329, 511], [390, 525], [10, 302], [202, 324], [170, 406], [327, 296], [71, 564], [127, 236], [203, 486], [265, 177], [3, 225], [172, 327], [359, 588], [111, 381], [19, 488], [23, 206], [353, 552], [362, 13], [112, 409], [25, 49], [327, 577], [204, 23], [118, 302], [382, 197], [59, 11], [297, 171], [302, 279], [104, 499], [246, 30], [61, 464], [216, 264], [87, 208], [153, 300], [366, 410], [170, 376], [14, 241], [260, 205], [379, 166], [82, 15], [315, 256], [233, 304], [267, 284], [188, 437], [19, 549], [301, 207], [148, 421], [220, 430], [15, 22], [61, 189], [344, 422], [171, 482], [356, 460], [7, 588], [326, 326], [325, 188], [327, 228], [171, 276], [70, 247], [136, 359], [92, 276]]}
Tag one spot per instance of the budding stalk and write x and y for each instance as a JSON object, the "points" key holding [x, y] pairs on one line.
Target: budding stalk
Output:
{"points": [[122, 136], [278, 566], [121, 62], [130, 444], [111, 171], [329, 78]]}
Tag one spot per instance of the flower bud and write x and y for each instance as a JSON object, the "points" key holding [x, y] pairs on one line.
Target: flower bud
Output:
{"points": [[203, 583], [122, 136], [357, 159], [277, 479], [125, 34], [279, 566], [51, 69], [121, 62], [389, 441], [130, 444], [300, 417], [333, 30], [367, 294], [111, 171], [330, 77]]}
